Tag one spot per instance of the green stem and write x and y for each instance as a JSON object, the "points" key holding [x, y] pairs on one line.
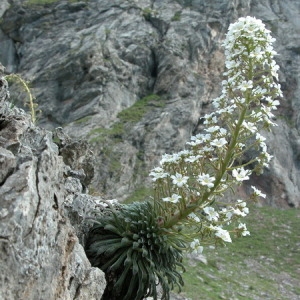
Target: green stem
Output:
{"points": [[31, 103]]}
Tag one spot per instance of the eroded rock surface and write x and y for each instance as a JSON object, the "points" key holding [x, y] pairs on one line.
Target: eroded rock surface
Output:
{"points": [[40, 254], [108, 56]]}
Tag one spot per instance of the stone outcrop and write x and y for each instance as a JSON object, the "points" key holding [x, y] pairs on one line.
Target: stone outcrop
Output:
{"points": [[94, 67], [40, 256]]}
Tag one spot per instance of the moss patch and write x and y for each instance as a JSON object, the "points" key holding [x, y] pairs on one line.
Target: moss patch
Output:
{"points": [[135, 113], [127, 116], [100, 135], [176, 17]]}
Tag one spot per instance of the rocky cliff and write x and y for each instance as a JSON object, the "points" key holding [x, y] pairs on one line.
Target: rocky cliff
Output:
{"points": [[42, 206], [134, 78]]}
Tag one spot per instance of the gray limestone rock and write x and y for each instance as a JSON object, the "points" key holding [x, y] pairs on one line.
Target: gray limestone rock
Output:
{"points": [[40, 254], [108, 56]]}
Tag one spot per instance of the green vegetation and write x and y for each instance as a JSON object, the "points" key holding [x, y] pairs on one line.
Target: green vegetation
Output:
{"points": [[107, 33], [99, 135], [132, 114], [15, 78], [140, 194], [135, 113], [114, 135], [83, 120], [113, 157], [148, 13], [113, 245], [176, 17], [251, 267]]}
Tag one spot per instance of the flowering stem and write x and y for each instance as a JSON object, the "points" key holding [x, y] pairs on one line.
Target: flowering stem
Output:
{"points": [[231, 147], [198, 176], [182, 214]]}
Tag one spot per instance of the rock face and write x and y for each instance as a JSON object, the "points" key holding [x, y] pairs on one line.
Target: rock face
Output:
{"points": [[134, 77], [40, 253]]}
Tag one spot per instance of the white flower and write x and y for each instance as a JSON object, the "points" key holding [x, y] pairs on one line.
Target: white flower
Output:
{"points": [[274, 69], [246, 210], [229, 215], [260, 138], [195, 142], [227, 212], [179, 180], [241, 203], [238, 212], [205, 179], [229, 109], [268, 111], [231, 64], [207, 149], [192, 158], [245, 85], [240, 100], [242, 207], [194, 217], [241, 174], [267, 156], [223, 234], [222, 132], [158, 173], [210, 119], [218, 142], [272, 103], [242, 227], [257, 116], [257, 192], [184, 153], [170, 158], [212, 129], [250, 126], [174, 198], [195, 246], [257, 53], [259, 91], [199, 139], [211, 214], [270, 123]]}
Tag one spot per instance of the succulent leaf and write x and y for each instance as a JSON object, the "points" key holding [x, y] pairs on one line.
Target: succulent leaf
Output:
{"points": [[136, 258]]}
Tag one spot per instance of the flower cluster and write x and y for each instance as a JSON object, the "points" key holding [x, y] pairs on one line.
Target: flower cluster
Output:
{"points": [[189, 184]]}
